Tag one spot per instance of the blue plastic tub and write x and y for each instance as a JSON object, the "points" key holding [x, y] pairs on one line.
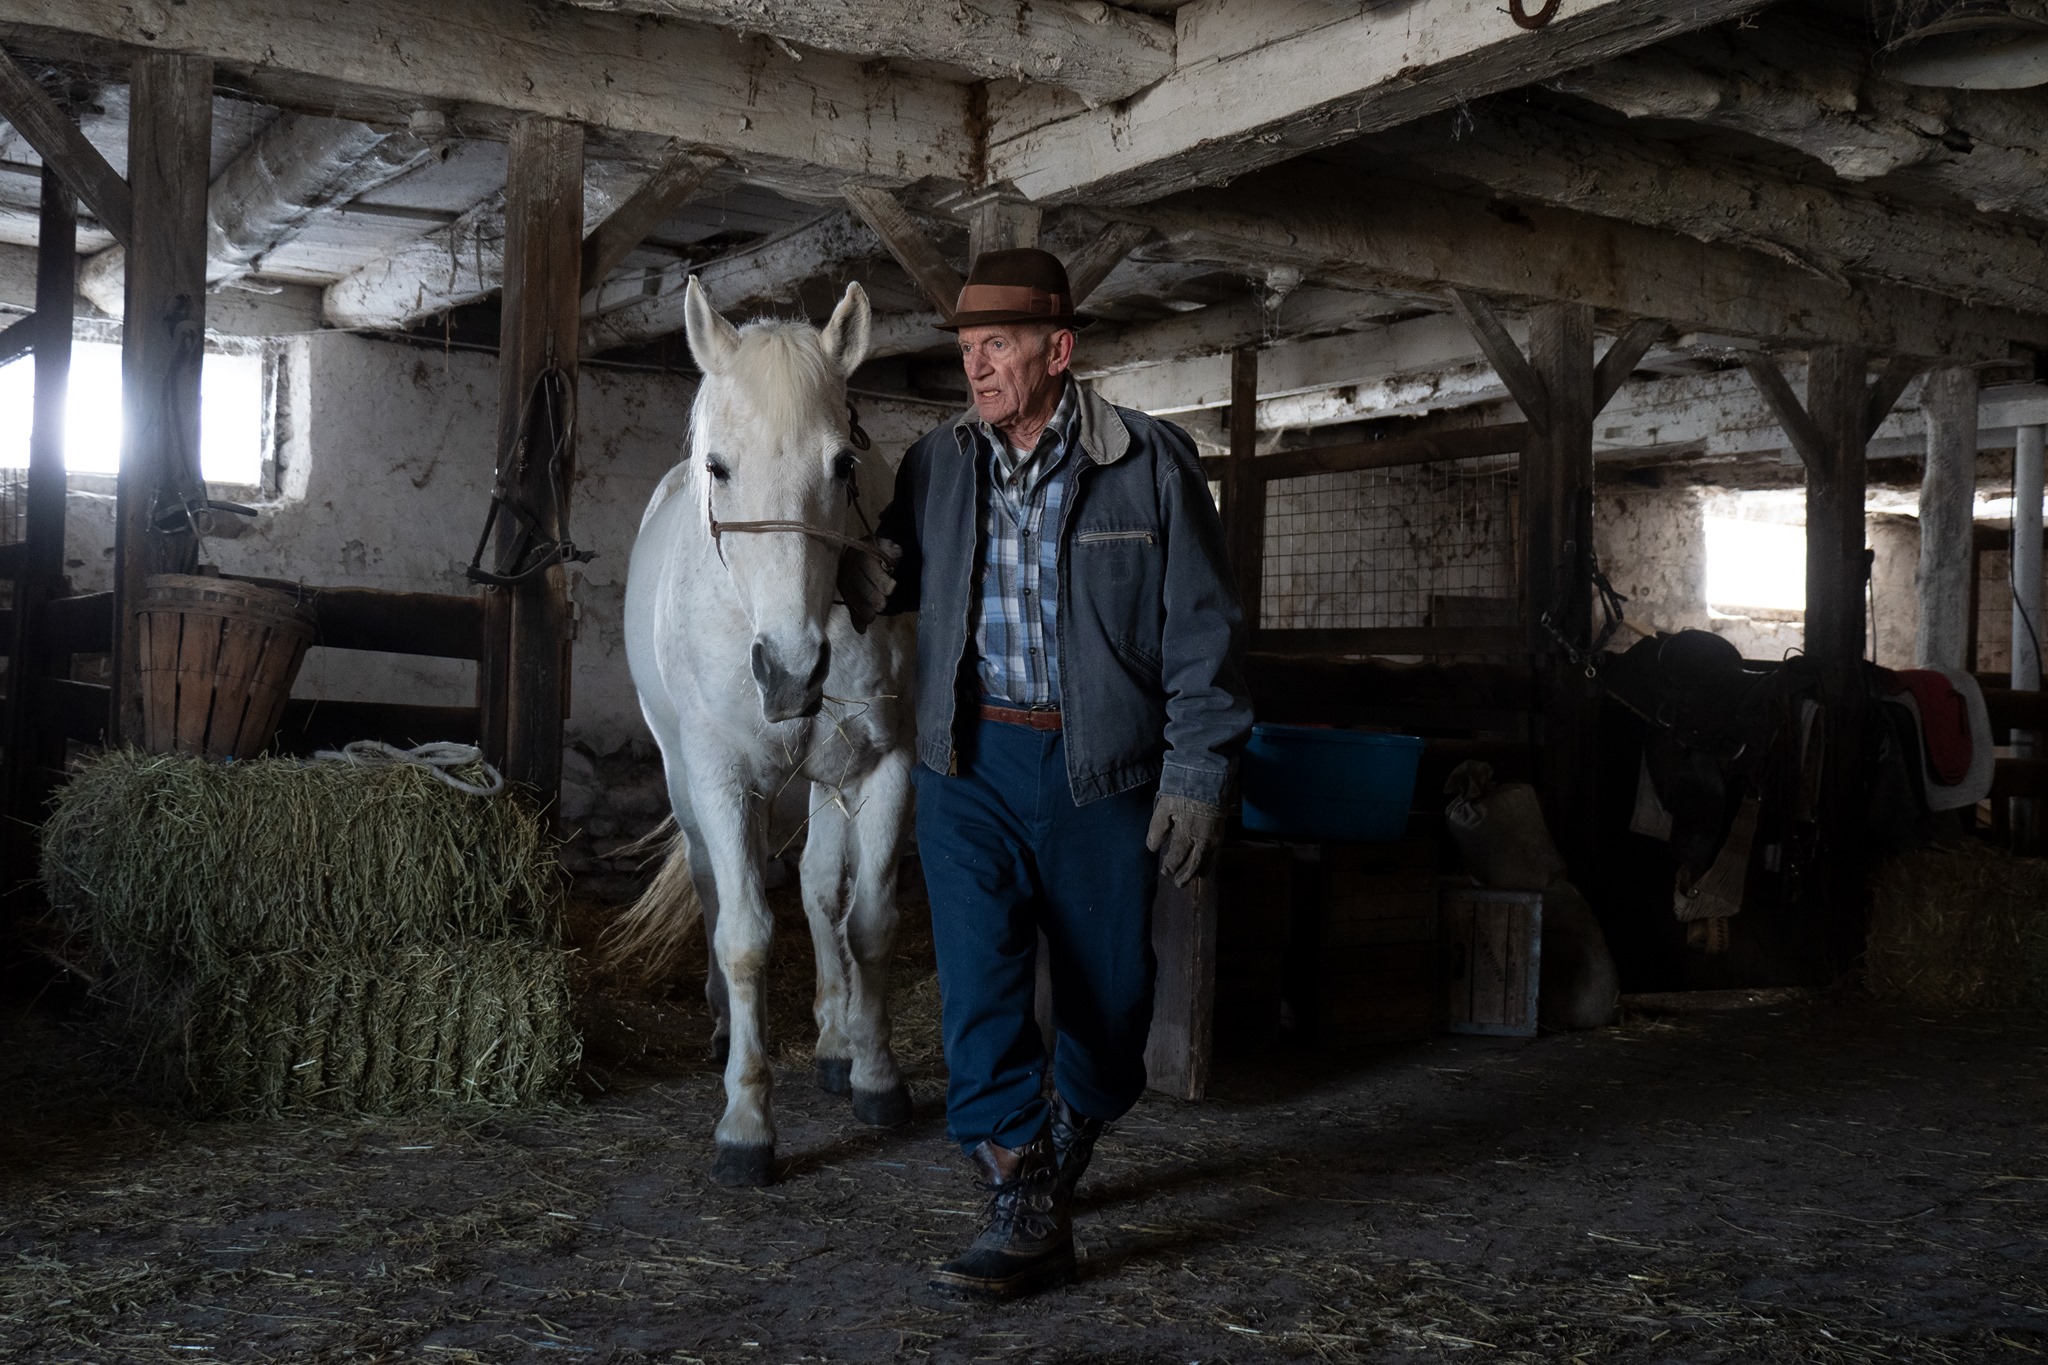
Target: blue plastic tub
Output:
{"points": [[1312, 783]]}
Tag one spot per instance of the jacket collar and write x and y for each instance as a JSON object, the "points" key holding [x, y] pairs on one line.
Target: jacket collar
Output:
{"points": [[1101, 427]]}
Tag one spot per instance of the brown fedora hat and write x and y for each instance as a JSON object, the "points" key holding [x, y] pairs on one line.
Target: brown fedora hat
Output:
{"points": [[1023, 284]]}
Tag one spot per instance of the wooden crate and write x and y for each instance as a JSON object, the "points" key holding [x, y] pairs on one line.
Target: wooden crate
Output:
{"points": [[1369, 975], [1255, 914], [1492, 948]]}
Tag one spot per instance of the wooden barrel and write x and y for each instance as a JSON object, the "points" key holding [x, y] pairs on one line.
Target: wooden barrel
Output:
{"points": [[218, 660]]}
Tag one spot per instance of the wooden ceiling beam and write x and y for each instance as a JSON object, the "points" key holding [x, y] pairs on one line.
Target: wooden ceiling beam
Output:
{"points": [[1836, 232], [1100, 52], [1354, 228], [777, 114], [1784, 82], [297, 168], [56, 137], [1256, 83], [671, 185]]}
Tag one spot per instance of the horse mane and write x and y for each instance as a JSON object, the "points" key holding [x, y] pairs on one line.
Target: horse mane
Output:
{"points": [[778, 362]]}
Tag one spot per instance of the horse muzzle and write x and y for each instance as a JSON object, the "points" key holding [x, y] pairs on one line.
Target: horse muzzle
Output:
{"points": [[787, 693]]}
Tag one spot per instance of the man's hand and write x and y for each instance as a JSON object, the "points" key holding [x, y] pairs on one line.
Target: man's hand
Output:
{"points": [[865, 581], [1188, 830]]}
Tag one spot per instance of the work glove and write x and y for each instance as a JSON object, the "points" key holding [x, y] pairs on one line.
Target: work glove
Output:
{"points": [[865, 582], [1188, 830]]}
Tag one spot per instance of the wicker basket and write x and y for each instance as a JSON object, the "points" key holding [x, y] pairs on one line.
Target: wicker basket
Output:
{"points": [[218, 660]]}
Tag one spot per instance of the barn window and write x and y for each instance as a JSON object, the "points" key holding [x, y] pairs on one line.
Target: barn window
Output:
{"points": [[1754, 565], [232, 414]]}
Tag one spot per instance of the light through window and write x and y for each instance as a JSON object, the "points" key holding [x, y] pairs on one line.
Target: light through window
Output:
{"points": [[1755, 565], [230, 414]]}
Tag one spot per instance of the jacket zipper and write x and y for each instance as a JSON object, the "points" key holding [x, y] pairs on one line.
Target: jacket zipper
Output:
{"points": [[1098, 537]]}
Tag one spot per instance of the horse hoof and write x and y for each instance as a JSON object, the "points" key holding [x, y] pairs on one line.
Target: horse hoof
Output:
{"points": [[834, 1075], [744, 1165], [883, 1108]]}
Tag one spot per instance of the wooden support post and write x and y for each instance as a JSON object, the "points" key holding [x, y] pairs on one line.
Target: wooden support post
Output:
{"points": [[32, 746], [1092, 264], [1837, 568], [1948, 510], [1244, 496], [170, 133], [1557, 483], [2025, 812], [999, 222], [56, 296], [524, 679]]}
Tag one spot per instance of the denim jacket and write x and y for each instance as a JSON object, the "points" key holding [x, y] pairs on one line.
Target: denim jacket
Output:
{"points": [[1150, 637]]}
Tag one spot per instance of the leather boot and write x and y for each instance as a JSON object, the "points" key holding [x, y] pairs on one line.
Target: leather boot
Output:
{"points": [[1027, 1240], [1073, 1143]]}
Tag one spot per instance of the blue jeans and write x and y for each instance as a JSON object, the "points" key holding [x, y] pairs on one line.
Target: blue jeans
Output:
{"points": [[1008, 854]]}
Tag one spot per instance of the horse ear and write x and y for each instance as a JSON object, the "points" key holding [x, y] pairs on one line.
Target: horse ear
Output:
{"points": [[846, 335], [712, 339]]}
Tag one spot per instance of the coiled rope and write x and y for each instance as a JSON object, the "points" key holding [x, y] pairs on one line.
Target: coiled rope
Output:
{"points": [[440, 758]]}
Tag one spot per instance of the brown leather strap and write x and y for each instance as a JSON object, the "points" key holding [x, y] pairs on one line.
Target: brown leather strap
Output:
{"points": [[1013, 715]]}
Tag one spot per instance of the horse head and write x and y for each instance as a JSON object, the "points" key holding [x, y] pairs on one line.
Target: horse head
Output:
{"points": [[779, 480]]}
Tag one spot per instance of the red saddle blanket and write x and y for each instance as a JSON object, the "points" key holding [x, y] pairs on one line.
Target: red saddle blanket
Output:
{"points": [[1944, 720]]}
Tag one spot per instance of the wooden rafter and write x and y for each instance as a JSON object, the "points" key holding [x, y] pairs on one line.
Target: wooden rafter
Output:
{"points": [[1092, 264], [1506, 357], [671, 185], [1888, 387], [57, 139], [1792, 417], [907, 242], [1622, 356]]}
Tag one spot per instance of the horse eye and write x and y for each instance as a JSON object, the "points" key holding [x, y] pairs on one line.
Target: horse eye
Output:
{"points": [[716, 468], [844, 464]]}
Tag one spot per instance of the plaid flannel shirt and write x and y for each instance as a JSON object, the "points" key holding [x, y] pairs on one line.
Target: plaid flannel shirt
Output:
{"points": [[1024, 501]]}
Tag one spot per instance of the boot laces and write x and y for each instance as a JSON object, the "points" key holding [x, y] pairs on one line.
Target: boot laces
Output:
{"points": [[1013, 1207]]}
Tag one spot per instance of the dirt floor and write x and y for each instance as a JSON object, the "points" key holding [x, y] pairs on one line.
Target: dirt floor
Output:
{"points": [[1822, 1182]]}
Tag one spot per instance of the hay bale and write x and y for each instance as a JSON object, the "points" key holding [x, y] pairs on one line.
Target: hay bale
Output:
{"points": [[162, 858], [1962, 929], [277, 935], [479, 1024]]}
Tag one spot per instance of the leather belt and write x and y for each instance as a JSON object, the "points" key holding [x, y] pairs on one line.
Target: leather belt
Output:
{"points": [[1013, 715]]}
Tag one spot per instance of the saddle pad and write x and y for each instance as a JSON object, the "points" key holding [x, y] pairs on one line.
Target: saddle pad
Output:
{"points": [[1944, 722]]}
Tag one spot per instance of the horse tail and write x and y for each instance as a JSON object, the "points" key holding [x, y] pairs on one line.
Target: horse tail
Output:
{"points": [[646, 941]]}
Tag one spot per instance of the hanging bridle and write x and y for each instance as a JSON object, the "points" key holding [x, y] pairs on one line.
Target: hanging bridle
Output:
{"points": [[865, 545]]}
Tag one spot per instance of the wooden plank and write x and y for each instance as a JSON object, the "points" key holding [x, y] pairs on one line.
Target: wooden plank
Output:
{"points": [[1101, 53], [540, 321], [1623, 354], [1492, 949], [18, 338], [169, 145], [2011, 709], [908, 243], [1181, 1045], [1371, 232], [1889, 387], [432, 624], [57, 139], [1404, 640], [1394, 452], [2019, 777], [1506, 357], [1254, 84], [800, 120], [1785, 406], [83, 624], [1092, 264], [1244, 495], [671, 185], [311, 724]]}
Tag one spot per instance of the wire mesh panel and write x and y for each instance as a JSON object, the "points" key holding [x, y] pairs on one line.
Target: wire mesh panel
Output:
{"points": [[1414, 545]]}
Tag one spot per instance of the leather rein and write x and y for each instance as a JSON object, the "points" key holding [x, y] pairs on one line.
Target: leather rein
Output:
{"points": [[865, 545]]}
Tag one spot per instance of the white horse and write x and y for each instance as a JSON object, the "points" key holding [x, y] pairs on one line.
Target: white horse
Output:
{"points": [[755, 683]]}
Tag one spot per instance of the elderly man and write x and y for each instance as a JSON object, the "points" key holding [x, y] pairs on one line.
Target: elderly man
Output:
{"points": [[1079, 711]]}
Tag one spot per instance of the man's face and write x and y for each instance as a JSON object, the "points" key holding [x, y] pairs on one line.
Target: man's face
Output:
{"points": [[1014, 369]]}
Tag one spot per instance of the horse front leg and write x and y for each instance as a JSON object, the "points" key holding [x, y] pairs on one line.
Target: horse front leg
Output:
{"points": [[825, 859], [746, 1132], [880, 816]]}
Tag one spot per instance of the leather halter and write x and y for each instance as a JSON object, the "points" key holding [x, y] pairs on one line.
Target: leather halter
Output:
{"points": [[860, 441]]}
